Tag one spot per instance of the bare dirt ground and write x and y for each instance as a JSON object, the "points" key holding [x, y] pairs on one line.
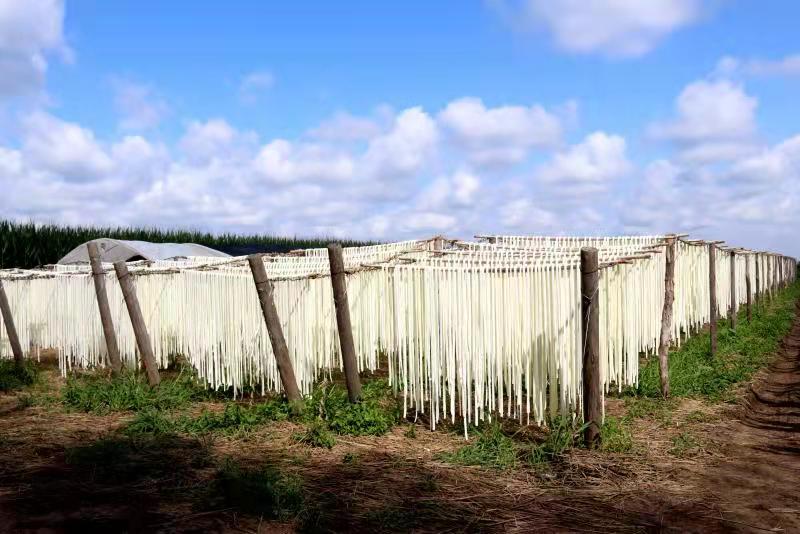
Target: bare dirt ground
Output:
{"points": [[700, 468]]}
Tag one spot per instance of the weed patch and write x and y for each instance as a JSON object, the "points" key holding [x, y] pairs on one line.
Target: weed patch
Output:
{"points": [[130, 392], [616, 436], [375, 415], [265, 492], [13, 376], [685, 445], [316, 435], [563, 434], [490, 448]]}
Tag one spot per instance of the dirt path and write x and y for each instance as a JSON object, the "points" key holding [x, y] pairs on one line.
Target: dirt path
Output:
{"points": [[757, 484]]}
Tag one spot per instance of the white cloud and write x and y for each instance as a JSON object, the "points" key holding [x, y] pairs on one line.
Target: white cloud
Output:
{"points": [[214, 139], [139, 104], [283, 162], [404, 180], [501, 135], [343, 126], [254, 85], [731, 66], [715, 120], [587, 167], [29, 30], [63, 148], [402, 151], [620, 28], [447, 192]]}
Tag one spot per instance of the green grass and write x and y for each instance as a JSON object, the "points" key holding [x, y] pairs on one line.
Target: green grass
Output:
{"points": [[493, 447], [326, 412], [316, 435], [692, 371], [615, 435], [130, 392], [376, 414], [266, 491], [13, 376], [490, 447], [27, 245], [563, 433], [685, 445]]}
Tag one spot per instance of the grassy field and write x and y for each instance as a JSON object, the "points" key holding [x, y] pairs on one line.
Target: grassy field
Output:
{"points": [[27, 245], [193, 459]]}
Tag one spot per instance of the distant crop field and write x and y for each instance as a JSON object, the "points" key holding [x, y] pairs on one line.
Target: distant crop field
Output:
{"points": [[28, 245]]}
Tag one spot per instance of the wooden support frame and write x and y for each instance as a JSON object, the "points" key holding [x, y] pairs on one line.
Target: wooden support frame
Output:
{"points": [[138, 324], [99, 276], [590, 330], [345, 329]]}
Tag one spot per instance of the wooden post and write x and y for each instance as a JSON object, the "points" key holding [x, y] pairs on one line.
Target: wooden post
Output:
{"points": [[757, 295], [270, 312], [11, 330], [590, 337], [336, 259], [137, 322], [105, 310], [712, 292], [733, 290], [666, 316], [747, 288]]}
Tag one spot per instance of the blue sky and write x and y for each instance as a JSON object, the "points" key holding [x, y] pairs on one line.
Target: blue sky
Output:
{"points": [[390, 120]]}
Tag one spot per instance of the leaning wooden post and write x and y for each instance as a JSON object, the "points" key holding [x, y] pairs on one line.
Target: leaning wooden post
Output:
{"points": [[666, 316], [590, 337], [712, 292], [99, 276], [11, 330], [733, 290], [279, 349], [137, 322], [747, 287], [336, 259]]}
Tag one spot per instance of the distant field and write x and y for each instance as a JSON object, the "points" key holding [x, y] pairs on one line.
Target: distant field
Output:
{"points": [[29, 245]]}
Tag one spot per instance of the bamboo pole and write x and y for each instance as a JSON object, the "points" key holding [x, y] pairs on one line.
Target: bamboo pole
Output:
{"points": [[336, 259], [267, 300], [138, 324], [11, 330], [666, 317], [99, 276], [592, 392], [712, 291]]}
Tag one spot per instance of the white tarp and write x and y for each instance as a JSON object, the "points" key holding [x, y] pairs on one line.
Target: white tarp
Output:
{"points": [[112, 250]]}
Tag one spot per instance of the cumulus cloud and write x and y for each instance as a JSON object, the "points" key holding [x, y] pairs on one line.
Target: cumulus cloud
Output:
{"points": [[402, 151], [63, 148], [714, 120], [214, 139], [343, 126], [618, 28], [408, 177], [500, 135], [139, 105], [587, 167], [29, 31], [283, 162]]}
